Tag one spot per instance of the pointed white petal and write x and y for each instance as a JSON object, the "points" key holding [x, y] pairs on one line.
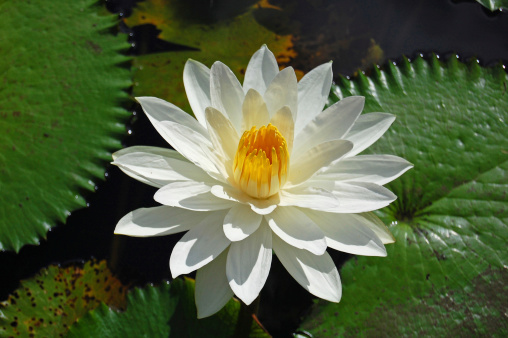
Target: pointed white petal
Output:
{"points": [[157, 166], [223, 135], [367, 130], [348, 233], [249, 264], [283, 120], [379, 169], [260, 206], [157, 221], [261, 70], [316, 158], [309, 197], [254, 111], [331, 124], [283, 91], [379, 228], [296, 229], [191, 195], [196, 79], [226, 93], [317, 274], [212, 287], [313, 91], [200, 245], [240, 222]]}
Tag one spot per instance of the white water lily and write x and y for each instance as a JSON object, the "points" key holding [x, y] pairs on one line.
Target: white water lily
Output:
{"points": [[262, 167]]}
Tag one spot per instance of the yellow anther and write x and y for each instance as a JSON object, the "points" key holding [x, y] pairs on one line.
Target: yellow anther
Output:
{"points": [[261, 161]]}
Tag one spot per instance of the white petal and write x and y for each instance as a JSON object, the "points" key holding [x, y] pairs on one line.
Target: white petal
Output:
{"points": [[379, 169], [157, 166], [226, 93], [367, 130], [314, 159], [212, 287], [240, 222], [249, 264], [283, 91], [196, 79], [296, 229], [261, 70], [157, 221], [309, 197], [317, 274], [283, 120], [331, 124], [355, 197], [379, 228], [254, 111], [195, 147], [223, 135], [313, 91], [260, 206], [191, 195], [349, 233], [200, 245]]}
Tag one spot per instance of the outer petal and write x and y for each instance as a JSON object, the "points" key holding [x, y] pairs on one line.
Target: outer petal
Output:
{"points": [[367, 130], [317, 274], [200, 245], [283, 91], [249, 264], [261, 70], [158, 221], [226, 93], [196, 79], [191, 195], [254, 111], [240, 222], [378, 227], [157, 166], [313, 91], [319, 157], [379, 169], [309, 197], [283, 120], [223, 134], [296, 229], [331, 124], [212, 287], [348, 233]]}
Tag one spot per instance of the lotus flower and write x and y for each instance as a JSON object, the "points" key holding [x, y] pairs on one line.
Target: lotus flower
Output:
{"points": [[262, 167]]}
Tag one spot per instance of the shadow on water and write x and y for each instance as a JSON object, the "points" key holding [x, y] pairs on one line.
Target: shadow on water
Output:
{"points": [[353, 34]]}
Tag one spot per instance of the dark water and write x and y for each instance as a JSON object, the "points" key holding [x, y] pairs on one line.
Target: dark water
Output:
{"points": [[342, 31]]}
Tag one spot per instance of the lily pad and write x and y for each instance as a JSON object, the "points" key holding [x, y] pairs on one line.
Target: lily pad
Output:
{"points": [[447, 273], [494, 5], [49, 303], [164, 311], [60, 111], [233, 41]]}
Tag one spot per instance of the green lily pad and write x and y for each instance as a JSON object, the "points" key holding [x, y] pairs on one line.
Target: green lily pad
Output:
{"points": [[231, 41], [60, 111], [164, 311], [447, 272], [47, 304], [494, 5]]}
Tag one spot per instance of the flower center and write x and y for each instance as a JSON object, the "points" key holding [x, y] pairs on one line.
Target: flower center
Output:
{"points": [[261, 161]]}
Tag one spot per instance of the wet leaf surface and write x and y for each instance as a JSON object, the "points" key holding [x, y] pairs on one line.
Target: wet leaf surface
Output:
{"points": [[494, 5], [447, 272], [60, 111]]}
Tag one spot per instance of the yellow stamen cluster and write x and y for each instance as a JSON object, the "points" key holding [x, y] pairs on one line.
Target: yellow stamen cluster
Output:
{"points": [[261, 161]]}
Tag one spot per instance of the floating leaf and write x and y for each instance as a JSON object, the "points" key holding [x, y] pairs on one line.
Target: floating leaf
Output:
{"points": [[49, 303], [232, 41], [163, 311], [60, 114], [446, 274], [494, 5]]}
